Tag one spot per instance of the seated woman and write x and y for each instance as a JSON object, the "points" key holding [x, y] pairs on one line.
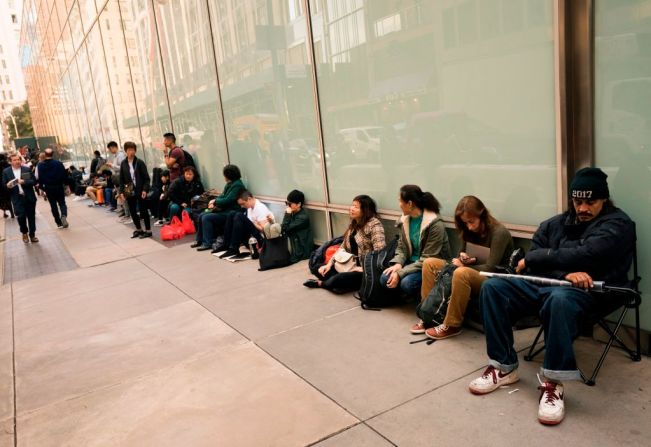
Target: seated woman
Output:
{"points": [[212, 221], [182, 190], [98, 182], [422, 236], [364, 235], [476, 227], [296, 226]]}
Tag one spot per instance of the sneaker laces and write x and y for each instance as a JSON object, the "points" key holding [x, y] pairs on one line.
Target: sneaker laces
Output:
{"points": [[548, 390], [490, 371]]}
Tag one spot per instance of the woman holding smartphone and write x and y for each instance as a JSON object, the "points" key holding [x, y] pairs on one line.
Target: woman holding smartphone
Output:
{"points": [[477, 228]]}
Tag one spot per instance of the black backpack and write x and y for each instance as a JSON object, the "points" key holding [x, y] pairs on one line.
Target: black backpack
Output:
{"points": [[274, 254], [372, 294], [189, 161], [317, 258], [433, 308]]}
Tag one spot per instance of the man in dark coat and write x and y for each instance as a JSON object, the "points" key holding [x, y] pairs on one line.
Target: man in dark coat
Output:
{"points": [[594, 240], [52, 177], [19, 180]]}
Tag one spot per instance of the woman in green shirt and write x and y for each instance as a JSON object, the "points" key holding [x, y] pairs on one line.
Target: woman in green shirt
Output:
{"points": [[422, 236]]}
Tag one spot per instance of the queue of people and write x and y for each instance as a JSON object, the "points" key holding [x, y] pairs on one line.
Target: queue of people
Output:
{"points": [[593, 240]]}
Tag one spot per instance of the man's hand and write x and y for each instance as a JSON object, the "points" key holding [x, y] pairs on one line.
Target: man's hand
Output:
{"points": [[580, 279], [211, 204], [288, 210], [184, 205], [521, 266], [270, 218], [143, 195]]}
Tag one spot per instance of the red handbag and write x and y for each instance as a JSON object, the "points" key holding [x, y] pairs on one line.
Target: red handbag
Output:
{"points": [[174, 230], [188, 225], [330, 252]]}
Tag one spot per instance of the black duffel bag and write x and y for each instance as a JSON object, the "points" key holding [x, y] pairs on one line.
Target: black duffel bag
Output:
{"points": [[274, 253]]}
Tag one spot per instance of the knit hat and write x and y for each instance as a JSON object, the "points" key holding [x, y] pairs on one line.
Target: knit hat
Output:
{"points": [[295, 196], [590, 184]]}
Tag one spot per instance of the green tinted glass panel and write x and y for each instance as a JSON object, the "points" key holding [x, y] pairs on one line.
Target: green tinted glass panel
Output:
{"points": [[623, 115], [457, 97]]}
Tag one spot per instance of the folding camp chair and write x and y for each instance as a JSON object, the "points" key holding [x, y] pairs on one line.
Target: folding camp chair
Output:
{"points": [[618, 297]]}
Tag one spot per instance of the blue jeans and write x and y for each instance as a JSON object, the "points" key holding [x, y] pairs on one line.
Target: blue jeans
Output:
{"points": [[174, 209], [409, 284], [504, 301], [209, 225], [108, 198]]}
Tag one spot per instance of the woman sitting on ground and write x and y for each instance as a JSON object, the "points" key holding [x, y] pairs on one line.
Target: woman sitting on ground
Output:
{"points": [[182, 190], [422, 236], [477, 227], [364, 235], [296, 226]]}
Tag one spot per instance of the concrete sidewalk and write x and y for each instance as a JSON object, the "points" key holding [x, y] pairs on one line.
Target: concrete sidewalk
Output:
{"points": [[140, 344]]}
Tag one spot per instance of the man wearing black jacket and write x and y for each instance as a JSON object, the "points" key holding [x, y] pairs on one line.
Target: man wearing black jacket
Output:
{"points": [[52, 177], [594, 240], [134, 185], [20, 182]]}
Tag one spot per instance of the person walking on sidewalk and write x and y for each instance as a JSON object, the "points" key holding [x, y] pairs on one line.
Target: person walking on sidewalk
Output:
{"points": [[134, 185], [19, 180], [52, 178]]}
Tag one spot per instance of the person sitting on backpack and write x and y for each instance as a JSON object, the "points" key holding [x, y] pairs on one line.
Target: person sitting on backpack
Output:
{"points": [[296, 226], [364, 235], [212, 221], [174, 156], [422, 236], [182, 190], [475, 225], [240, 227]]}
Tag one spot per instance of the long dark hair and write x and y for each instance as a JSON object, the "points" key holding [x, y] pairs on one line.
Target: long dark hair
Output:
{"points": [[369, 211], [422, 200], [476, 208]]}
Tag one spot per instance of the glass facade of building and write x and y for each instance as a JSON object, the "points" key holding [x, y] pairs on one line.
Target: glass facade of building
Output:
{"points": [[345, 97]]}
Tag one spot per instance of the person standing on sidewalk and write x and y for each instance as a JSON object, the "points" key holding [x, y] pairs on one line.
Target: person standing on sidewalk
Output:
{"points": [[113, 162], [52, 177], [19, 180], [134, 185]]}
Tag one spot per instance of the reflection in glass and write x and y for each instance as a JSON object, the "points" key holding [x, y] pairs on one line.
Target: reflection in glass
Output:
{"points": [[144, 60], [267, 97], [189, 62], [623, 114], [113, 76], [409, 93]]}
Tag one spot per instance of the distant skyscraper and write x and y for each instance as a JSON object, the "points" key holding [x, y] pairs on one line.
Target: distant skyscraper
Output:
{"points": [[12, 84]]}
